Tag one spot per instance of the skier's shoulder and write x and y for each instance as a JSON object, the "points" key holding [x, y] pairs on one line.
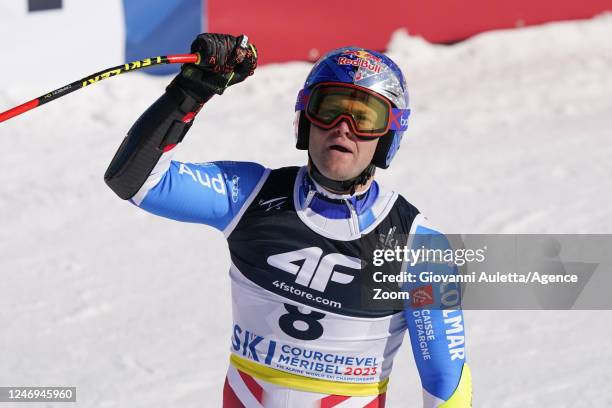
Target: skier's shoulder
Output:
{"points": [[244, 172], [406, 207], [402, 208], [418, 221], [234, 166], [413, 219], [282, 177], [288, 171]]}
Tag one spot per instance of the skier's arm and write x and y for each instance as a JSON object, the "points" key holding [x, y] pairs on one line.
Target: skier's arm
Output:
{"points": [[157, 131], [436, 327], [207, 193], [142, 170]]}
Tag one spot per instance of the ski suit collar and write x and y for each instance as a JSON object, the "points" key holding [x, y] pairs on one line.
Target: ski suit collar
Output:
{"points": [[340, 215]]}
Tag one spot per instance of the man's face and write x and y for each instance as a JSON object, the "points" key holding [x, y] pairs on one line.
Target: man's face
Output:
{"points": [[338, 153]]}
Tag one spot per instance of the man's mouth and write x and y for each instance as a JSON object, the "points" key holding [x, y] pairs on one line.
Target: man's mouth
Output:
{"points": [[340, 148]]}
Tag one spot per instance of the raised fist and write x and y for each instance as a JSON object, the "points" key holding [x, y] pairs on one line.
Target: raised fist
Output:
{"points": [[224, 61]]}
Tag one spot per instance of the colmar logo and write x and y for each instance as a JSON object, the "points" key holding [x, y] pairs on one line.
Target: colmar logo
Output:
{"points": [[421, 296], [316, 271]]}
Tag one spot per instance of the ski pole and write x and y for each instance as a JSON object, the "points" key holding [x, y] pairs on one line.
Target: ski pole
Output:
{"points": [[94, 78]]}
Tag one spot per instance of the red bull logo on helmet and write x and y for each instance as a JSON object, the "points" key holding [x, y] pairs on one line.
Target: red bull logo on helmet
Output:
{"points": [[362, 54], [361, 59]]}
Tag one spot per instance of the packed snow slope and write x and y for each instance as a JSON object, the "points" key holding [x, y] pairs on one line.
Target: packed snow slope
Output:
{"points": [[510, 133]]}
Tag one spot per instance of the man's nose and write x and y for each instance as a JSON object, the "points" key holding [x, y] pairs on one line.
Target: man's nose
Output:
{"points": [[343, 128]]}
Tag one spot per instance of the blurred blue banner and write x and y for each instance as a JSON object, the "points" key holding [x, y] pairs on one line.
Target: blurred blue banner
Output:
{"points": [[161, 27]]}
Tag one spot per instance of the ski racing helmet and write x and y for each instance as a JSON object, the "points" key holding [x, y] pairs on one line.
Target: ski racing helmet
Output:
{"points": [[379, 80]]}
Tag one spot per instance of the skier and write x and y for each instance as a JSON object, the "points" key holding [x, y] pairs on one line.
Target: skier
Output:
{"points": [[302, 336]]}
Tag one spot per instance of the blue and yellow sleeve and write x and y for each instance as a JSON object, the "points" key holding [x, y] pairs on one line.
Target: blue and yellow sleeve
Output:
{"points": [[436, 325]]}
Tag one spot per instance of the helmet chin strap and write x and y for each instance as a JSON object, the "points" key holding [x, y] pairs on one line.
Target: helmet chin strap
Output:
{"points": [[341, 186]]}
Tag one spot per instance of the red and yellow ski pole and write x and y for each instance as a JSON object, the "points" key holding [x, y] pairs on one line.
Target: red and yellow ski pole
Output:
{"points": [[94, 78]]}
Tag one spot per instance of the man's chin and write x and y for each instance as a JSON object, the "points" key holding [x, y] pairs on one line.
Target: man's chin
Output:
{"points": [[338, 167], [338, 174]]}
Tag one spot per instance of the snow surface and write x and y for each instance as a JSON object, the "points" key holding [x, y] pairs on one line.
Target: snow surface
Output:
{"points": [[510, 134]]}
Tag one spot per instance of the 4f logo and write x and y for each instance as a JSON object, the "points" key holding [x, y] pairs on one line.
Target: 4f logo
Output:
{"points": [[316, 270]]}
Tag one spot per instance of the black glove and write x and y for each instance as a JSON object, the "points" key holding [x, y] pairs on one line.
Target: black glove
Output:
{"points": [[224, 61]]}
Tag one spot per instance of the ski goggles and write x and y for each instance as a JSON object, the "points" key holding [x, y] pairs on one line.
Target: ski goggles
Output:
{"points": [[368, 113]]}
